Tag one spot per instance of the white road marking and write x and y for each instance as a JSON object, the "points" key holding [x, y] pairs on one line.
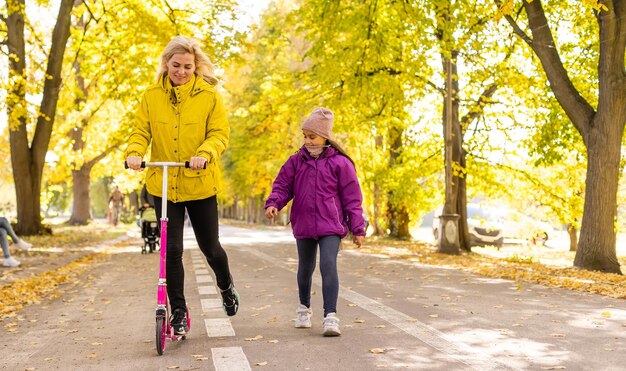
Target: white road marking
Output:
{"points": [[225, 358], [209, 305], [207, 290], [218, 327], [230, 359], [427, 334], [203, 278]]}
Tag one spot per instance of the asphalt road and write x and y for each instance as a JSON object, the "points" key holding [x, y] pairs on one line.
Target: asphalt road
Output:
{"points": [[395, 314]]}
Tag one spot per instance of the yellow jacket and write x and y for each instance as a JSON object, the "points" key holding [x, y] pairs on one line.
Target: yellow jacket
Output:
{"points": [[181, 122]]}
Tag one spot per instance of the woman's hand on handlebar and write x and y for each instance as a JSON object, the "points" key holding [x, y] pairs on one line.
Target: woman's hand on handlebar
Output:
{"points": [[197, 163], [133, 162]]}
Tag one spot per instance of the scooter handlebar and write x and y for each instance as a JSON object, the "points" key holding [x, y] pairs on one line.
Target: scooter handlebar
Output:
{"points": [[161, 164]]}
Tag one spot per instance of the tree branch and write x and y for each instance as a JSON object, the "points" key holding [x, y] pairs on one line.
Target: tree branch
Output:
{"points": [[479, 107], [575, 106]]}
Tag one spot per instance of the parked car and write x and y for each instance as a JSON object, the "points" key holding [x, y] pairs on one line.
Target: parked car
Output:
{"points": [[483, 223], [522, 227]]}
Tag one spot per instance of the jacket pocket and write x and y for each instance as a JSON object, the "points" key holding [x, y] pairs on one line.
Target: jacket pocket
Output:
{"points": [[194, 182]]}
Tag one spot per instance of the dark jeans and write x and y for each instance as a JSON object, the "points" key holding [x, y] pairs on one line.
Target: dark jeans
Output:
{"points": [[307, 253], [203, 217]]}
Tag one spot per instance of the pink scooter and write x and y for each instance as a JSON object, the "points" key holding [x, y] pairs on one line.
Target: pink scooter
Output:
{"points": [[163, 329]]}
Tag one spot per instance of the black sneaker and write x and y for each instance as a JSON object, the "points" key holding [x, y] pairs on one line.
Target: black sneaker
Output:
{"points": [[230, 300], [178, 321]]}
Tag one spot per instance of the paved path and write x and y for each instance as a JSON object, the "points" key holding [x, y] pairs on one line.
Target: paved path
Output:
{"points": [[395, 314]]}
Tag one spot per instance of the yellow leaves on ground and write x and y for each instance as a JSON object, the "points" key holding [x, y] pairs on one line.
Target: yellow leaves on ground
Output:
{"points": [[498, 264], [258, 337], [381, 350], [30, 290]]}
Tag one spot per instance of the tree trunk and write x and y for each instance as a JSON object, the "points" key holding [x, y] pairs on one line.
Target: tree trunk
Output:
{"points": [[573, 237], [81, 208], [398, 215], [596, 248], [454, 156], [461, 204], [25, 190], [375, 219], [28, 162]]}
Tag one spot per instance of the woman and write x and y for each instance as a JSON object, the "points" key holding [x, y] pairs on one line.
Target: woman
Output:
{"points": [[183, 116]]}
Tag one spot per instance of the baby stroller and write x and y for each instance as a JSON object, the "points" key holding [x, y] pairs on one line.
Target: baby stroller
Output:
{"points": [[149, 230]]}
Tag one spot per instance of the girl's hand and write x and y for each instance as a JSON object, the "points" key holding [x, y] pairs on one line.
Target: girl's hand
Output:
{"points": [[133, 162], [358, 240], [197, 163], [270, 212]]}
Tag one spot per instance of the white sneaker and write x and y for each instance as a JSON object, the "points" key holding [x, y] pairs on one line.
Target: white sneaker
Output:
{"points": [[10, 262], [331, 325], [23, 245], [303, 316]]}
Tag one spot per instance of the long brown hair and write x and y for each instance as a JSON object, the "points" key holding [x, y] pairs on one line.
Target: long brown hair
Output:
{"points": [[339, 149]]}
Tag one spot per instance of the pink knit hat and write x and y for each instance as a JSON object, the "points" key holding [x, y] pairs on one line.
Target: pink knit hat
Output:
{"points": [[320, 121]]}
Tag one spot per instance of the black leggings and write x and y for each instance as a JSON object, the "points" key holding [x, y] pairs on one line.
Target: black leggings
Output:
{"points": [[203, 217], [307, 254]]}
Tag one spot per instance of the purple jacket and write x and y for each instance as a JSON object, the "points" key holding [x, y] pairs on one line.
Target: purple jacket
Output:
{"points": [[326, 195]]}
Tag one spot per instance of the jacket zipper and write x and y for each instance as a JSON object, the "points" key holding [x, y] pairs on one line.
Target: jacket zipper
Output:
{"points": [[337, 214]]}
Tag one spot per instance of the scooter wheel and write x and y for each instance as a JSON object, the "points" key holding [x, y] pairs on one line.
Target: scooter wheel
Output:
{"points": [[160, 335]]}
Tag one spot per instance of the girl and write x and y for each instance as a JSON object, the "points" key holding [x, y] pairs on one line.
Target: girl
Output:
{"points": [[182, 115], [321, 180]]}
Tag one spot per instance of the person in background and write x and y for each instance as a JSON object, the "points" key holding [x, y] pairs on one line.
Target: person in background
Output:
{"points": [[7, 231], [116, 201], [327, 204], [183, 117]]}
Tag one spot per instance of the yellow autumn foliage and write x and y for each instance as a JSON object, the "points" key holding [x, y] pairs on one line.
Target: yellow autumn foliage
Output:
{"points": [[14, 296], [520, 269]]}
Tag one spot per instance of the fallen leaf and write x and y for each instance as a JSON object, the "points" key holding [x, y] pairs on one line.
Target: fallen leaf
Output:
{"points": [[92, 355], [380, 326], [172, 367], [272, 341], [96, 343], [359, 321], [433, 315], [377, 350], [351, 305], [254, 338], [606, 314], [261, 363]]}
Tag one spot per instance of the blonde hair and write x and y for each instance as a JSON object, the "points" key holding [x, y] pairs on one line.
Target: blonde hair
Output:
{"points": [[183, 45]]}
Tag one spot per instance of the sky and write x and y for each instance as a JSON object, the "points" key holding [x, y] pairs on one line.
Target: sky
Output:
{"points": [[251, 10]]}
